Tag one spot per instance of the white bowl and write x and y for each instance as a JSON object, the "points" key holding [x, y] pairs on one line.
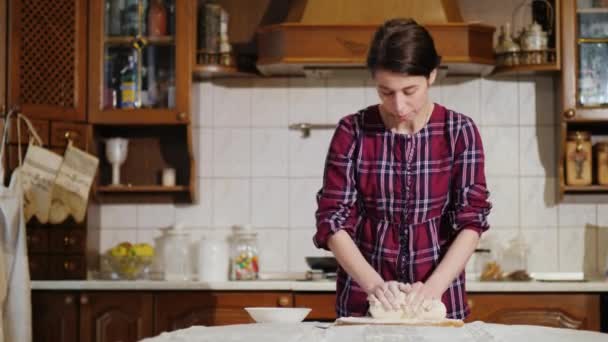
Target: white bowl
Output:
{"points": [[273, 315]]}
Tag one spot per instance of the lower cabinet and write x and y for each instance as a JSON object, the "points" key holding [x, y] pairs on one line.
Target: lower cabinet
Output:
{"points": [[125, 316], [560, 310]]}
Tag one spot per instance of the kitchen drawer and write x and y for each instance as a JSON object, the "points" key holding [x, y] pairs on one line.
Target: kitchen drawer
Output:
{"points": [[67, 240], [37, 240], [41, 127], [323, 305], [39, 266], [62, 132], [68, 267]]}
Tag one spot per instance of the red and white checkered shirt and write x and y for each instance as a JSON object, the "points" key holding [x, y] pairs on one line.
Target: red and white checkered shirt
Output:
{"points": [[403, 199]]}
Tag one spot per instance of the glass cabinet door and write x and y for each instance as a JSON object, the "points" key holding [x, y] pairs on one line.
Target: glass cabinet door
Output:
{"points": [[140, 47], [592, 43]]}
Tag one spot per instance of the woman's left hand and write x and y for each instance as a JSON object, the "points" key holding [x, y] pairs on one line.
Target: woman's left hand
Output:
{"points": [[419, 293]]}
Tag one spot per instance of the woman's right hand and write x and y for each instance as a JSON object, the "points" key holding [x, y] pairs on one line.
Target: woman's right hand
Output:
{"points": [[387, 293]]}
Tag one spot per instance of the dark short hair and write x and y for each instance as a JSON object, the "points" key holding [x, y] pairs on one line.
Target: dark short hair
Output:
{"points": [[401, 45]]}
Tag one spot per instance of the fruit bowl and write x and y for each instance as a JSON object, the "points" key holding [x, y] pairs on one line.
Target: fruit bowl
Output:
{"points": [[130, 261]]}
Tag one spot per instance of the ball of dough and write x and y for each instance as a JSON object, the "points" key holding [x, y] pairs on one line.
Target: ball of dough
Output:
{"points": [[377, 310]]}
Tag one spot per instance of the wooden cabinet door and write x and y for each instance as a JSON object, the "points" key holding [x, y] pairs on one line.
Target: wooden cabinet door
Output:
{"points": [[48, 54], [323, 305], [576, 311], [55, 316], [115, 316], [178, 310]]}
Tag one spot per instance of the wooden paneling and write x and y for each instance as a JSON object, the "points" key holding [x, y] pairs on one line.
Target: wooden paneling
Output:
{"points": [[115, 316], [55, 316], [47, 44], [3, 31], [575, 311], [323, 305]]}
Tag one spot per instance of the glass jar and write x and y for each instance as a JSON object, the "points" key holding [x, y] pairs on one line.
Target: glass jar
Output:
{"points": [[514, 259], [244, 254], [578, 158], [601, 162], [176, 254]]}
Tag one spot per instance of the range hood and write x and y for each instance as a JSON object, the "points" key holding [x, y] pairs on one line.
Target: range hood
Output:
{"points": [[333, 36]]}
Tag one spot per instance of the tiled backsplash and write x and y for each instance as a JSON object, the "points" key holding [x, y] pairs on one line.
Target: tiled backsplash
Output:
{"points": [[252, 169]]}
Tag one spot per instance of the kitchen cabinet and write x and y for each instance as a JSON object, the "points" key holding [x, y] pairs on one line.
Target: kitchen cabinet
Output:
{"points": [[3, 30], [322, 305], [584, 95], [48, 58], [55, 316], [178, 310]]}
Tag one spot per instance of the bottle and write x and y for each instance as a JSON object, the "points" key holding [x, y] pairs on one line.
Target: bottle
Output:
{"points": [[128, 84], [213, 259], [601, 161], [157, 18], [130, 18], [244, 264], [578, 158]]}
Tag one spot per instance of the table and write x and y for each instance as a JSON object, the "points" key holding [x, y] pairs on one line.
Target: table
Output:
{"points": [[319, 332]]}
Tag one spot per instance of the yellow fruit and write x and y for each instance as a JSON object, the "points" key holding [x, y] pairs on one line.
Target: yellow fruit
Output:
{"points": [[119, 251], [143, 249]]}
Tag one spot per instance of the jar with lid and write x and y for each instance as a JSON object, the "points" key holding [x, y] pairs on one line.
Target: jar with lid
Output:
{"points": [[176, 254], [514, 259], [601, 162], [244, 253], [578, 158]]}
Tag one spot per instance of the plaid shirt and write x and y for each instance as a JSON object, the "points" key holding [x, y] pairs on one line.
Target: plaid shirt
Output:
{"points": [[403, 199]]}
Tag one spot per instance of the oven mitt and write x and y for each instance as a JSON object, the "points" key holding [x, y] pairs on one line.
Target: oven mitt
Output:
{"points": [[72, 185], [38, 174]]}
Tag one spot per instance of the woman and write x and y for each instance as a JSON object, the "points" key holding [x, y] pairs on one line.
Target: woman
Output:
{"points": [[404, 198]]}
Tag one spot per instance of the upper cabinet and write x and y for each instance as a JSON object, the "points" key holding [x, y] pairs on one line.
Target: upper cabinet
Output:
{"points": [[583, 166], [47, 58], [140, 61]]}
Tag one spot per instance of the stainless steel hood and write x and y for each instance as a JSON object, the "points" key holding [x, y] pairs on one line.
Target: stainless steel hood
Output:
{"points": [[327, 36]]}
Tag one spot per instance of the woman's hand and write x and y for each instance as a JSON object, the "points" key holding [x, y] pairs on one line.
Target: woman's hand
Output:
{"points": [[387, 293], [418, 294]]}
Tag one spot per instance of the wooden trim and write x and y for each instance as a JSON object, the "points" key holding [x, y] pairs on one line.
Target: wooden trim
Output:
{"points": [[569, 55], [3, 33]]}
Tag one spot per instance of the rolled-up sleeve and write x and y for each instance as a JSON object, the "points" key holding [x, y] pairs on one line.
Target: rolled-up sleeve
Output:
{"points": [[471, 205], [336, 201]]}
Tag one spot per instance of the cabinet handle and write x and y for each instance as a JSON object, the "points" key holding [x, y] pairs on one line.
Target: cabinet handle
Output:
{"points": [[182, 116], [569, 113], [71, 135], [84, 299], [69, 300], [470, 303], [69, 265], [68, 241], [284, 301]]}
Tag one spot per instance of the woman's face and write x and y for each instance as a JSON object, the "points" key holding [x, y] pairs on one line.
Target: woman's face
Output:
{"points": [[402, 96]]}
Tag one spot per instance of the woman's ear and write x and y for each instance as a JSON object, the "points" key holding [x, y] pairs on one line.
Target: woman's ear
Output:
{"points": [[432, 77]]}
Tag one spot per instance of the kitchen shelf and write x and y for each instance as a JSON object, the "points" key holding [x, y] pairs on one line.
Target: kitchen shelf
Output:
{"points": [[526, 69], [218, 71], [586, 188], [141, 188], [128, 40], [592, 10]]}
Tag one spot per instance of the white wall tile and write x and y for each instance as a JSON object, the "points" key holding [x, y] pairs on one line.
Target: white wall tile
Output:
{"points": [[151, 216], [118, 216], [527, 100], [205, 152], [197, 214], [504, 192], [537, 151], [546, 93], [302, 201], [602, 250], [578, 249], [231, 202], [499, 105], [536, 100], [269, 208], [371, 93], [232, 103], [300, 247], [344, 96], [602, 215], [270, 105], [435, 91], [543, 255], [501, 149], [307, 155], [272, 245], [307, 100], [537, 202], [269, 152], [202, 104], [577, 215], [462, 95], [232, 152]]}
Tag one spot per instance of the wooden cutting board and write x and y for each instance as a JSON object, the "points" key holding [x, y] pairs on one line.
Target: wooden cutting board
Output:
{"points": [[446, 322]]}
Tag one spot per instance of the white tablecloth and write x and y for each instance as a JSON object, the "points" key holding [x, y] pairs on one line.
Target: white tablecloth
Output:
{"points": [[304, 332]]}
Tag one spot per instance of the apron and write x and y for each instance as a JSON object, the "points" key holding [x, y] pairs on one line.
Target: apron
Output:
{"points": [[15, 286]]}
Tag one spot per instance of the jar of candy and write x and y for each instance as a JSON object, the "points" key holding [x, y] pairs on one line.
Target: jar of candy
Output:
{"points": [[244, 254]]}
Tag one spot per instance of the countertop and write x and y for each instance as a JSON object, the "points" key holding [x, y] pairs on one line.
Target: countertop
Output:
{"points": [[306, 286]]}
